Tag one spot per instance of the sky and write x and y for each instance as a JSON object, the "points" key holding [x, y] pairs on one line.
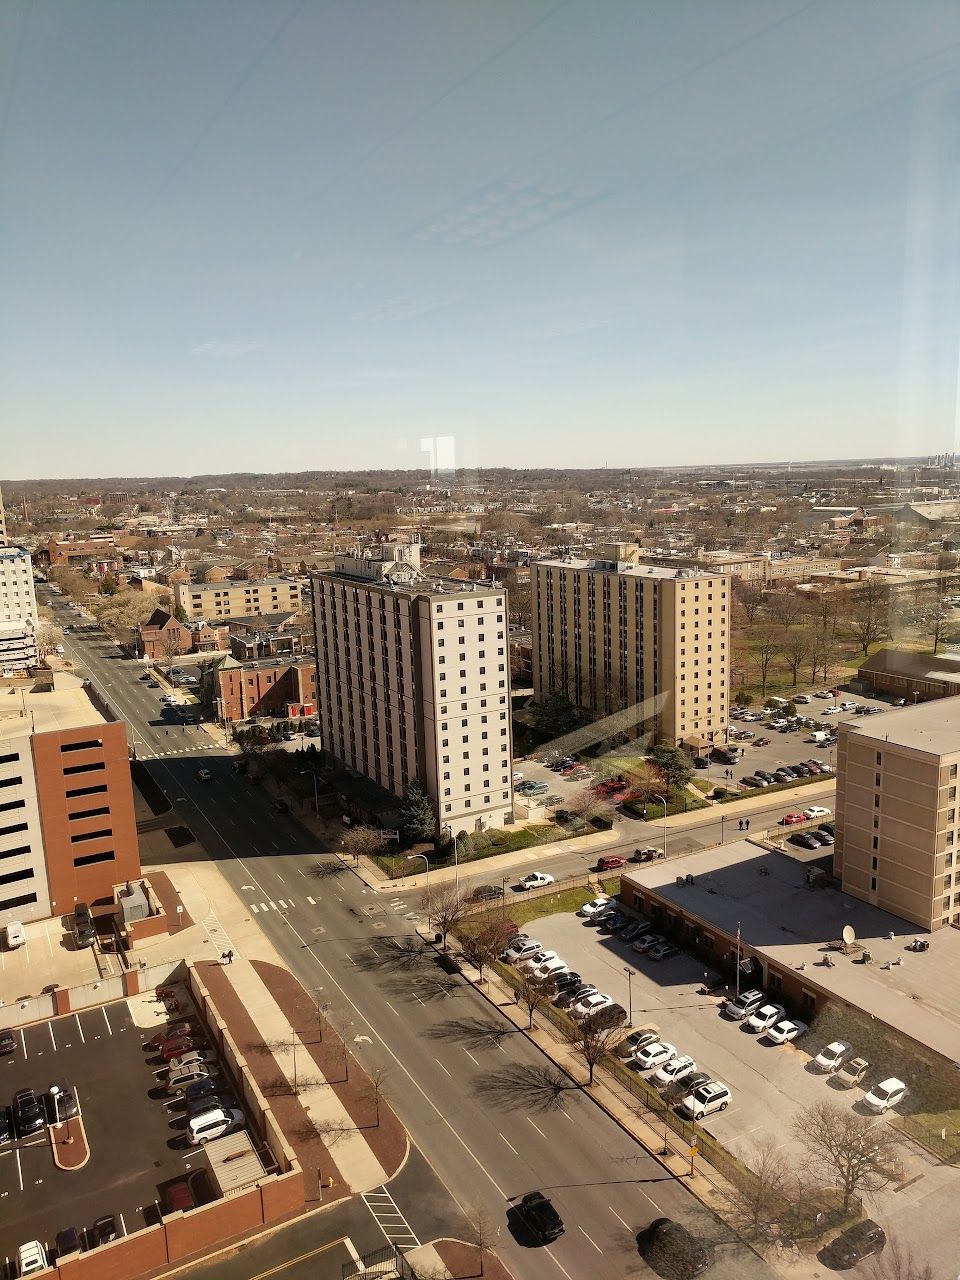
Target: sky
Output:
{"points": [[277, 235]]}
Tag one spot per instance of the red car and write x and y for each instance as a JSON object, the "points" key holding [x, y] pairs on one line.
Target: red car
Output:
{"points": [[170, 1032], [177, 1047], [611, 862], [790, 819]]}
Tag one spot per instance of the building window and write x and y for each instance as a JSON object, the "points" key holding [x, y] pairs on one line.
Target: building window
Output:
{"points": [[91, 858], [88, 745], [873, 884]]}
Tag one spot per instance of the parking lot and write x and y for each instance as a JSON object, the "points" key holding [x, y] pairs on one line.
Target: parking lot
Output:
{"points": [[769, 1083], [134, 1132]]}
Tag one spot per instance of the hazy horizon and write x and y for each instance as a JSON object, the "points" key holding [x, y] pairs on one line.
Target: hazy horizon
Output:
{"points": [[305, 235]]}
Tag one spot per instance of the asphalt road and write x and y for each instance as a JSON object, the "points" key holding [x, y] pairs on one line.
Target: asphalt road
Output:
{"points": [[467, 1087]]}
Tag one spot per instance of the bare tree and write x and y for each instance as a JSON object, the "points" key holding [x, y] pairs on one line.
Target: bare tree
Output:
{"points": [[483, 942], [861, 1153], [532, 994], [593, 1042], [750, 599], [795, 648], [481, 1232], [785, 607], [49, 635], [363, 842], [870, 614], [933, 620], [764, 650], [447, 908], [897, 1262], [376, 1079], [757, 1198]]}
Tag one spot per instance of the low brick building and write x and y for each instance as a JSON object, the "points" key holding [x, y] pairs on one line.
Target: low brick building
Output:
{"points": [[235, 690], [162, 637]]}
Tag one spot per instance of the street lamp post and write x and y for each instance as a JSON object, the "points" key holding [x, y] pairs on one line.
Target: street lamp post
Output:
{"points": [[316, 794], [426, 863], [664, 803], [629, 973]]}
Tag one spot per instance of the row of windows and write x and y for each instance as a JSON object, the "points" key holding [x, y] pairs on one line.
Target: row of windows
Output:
{"points": [[448, 808], [24, 900]]}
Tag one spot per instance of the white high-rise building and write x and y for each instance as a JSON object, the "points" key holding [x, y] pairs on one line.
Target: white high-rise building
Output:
{"points": [[413, 682], [18, 611]]}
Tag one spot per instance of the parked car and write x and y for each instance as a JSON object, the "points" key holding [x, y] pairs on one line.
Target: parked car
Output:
{"points": [[570, 997], [15, 935], [27, 1113], [31, 1258], [635, 929], [852, 1072], [743, 1005], [7, 1129], [191, 1058], [611, 862], [540, 1217], [663, 950], [60, 1102], [647, 940], [177, 1046], [537, 959], [67, 1241], [676, 1069], [791, 819], [804, 840], [213, 1124], [767, 1016], [172, 1030], [706, 1099], [535, 880], [179, 1082], [654, 1055], [103, 1230], [551, 969], [862, 1240], [608, 1018], [885, 1095], [8, 1043], [637, 1040], [612, 922], [816, 811], [833, 1057], [590, 1005], [521, 950], [785, 1031], [669, 1249]]}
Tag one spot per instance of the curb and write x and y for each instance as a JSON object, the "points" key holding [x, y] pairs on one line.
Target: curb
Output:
{"points": [[56, 1143]]}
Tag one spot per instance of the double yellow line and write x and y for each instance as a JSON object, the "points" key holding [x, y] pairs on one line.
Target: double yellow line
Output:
{"points": [[292, 1262]]}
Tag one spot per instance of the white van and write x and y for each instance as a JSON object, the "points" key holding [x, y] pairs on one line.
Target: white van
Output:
{"points": [[213, 1124], [31, 1258], [777, 704], [818, 736], [16, 935]]}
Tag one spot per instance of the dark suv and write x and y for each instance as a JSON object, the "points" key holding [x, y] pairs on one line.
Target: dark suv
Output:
{"points": [[27, 1114], [671, 1251], [540, 1217], [860, 1241]]}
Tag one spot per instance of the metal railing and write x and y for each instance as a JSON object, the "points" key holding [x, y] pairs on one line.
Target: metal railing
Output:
{"points": [[381, 1263]]}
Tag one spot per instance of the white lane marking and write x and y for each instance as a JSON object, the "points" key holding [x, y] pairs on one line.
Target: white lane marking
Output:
{"points": [[618, 1218], [560, 1265], [442, 1068], [283, 905], [47, 932], [537, 1127], [23, 1041], [593, 1242], [123, 1224], [413, 1080], [470, 1056], [103, 1009], [511, 1146], [52, 1040], [79, 1028], [310, 900], [264, 907], [273, 906], [390, 1007], [254, 908], [16, 1152]]}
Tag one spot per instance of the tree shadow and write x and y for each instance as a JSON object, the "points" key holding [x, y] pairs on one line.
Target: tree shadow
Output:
{"points": [[327, 870], [523, 1088], [477, 1033], [425, 988], [392, 953]]}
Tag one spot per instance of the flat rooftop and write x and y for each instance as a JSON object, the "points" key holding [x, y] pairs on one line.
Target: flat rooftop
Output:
{"points": [[43, 708], [764, 892], [628, 568], [929, 726]]}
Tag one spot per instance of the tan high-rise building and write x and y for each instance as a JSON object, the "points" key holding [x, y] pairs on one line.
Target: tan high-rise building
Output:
{"points": [[612, 633], [413, 682], [897, 811], [233, 598]]}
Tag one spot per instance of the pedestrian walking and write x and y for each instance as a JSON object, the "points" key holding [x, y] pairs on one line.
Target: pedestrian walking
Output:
{"points": [[223, 957], [740, 825], [747, 828], [230, 956]]}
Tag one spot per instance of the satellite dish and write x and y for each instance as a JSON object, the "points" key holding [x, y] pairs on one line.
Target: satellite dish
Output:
{"points": [[849, 934]]}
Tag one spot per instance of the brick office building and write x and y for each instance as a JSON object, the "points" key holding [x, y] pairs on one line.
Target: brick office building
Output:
{"points": [[235, 690]]}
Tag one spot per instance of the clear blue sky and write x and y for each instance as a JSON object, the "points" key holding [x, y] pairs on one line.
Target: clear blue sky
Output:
{"points": [[290, 234]]}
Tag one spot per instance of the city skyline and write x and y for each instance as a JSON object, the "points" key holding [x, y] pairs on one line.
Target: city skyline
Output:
{"points": [[551, 233]]}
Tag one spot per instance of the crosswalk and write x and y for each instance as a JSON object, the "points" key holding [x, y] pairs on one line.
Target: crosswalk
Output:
{"points": [[281, 904], [183, 751], [389, 1218]]}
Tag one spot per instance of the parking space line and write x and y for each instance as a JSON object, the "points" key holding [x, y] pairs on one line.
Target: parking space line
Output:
{"points": [[511, 1146], [311, 901], [16, 1152], [79, 1028], [593, 1242], [23, 1042], [52, 1037], [123, 1225], [47, 933], [618, 1218], [103, 1009]]}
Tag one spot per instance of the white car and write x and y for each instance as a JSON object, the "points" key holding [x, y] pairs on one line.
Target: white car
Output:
{"points": [[536, 880], [676, 1069], [591, 908], [537, 958], [886, 1095], [16, 935], [551, 969], [654, 1055], [830, 711], [590, 1005], [765, 1017], [785, 1031], [517, 776], [848, 705], [833, 1056], [816, 811], [520, 951], [168, 700], [709, 1097], [31, 1258]]}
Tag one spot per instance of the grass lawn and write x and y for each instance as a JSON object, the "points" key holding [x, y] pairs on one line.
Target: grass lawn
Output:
{"points": [[926, 1126], [523, 910], [506, 840]]}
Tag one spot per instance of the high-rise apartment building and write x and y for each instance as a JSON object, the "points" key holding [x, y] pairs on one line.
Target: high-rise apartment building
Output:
{"points": [[68, 831], [18, 606], [413, 682], [897, 833], [612, 633]]}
